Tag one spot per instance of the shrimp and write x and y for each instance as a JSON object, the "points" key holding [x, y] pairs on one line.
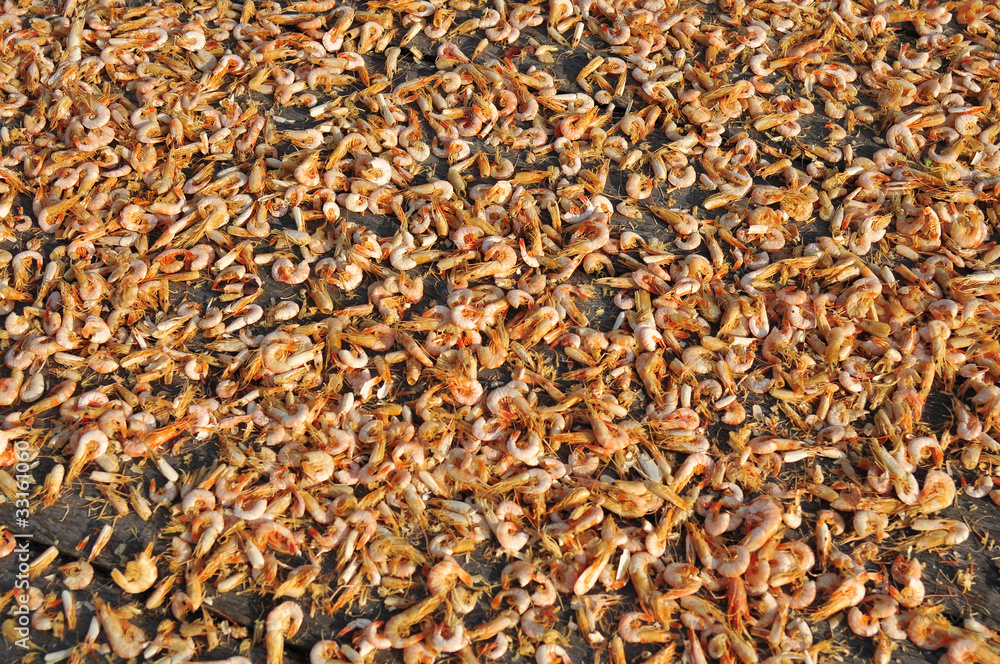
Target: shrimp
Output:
{"points": [[763, 520], [589, 576], [967, 651], [127, 640], [938, 492], [912, 593], [735, 563], [77, 575], [324, 651], [510, 537], [922, 447], [639, 186], [575, 126], [850, 593], [694, 464], [443, 576], [91, 445], [140, 574], [284, 619], [593, 235], [632, 629], [861, 623], [938, 532], [683, 578], [286, 272], [394, 626], [538, 323], [550, 653], [611, 437]]}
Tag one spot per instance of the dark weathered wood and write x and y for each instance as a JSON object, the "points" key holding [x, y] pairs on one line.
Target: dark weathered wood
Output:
{"points": [[78, 515]]}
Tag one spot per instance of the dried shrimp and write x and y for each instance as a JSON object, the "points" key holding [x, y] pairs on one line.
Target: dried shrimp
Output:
{"points": [[657, 332]]}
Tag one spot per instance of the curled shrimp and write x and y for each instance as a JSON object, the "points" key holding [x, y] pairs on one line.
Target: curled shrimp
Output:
{"points": [[550, 653], [762, 520], [443, 576], [632, 629], [77, 575], [639, 186], [284, 620], [140, 574]]}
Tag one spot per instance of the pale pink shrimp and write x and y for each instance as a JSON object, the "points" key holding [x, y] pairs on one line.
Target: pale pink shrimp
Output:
{"points": [[734, 563], [550, 653], [91, 445], [443, 576], [967, 651], [127, 640], [693, 464], [762, 520], [639, 186], [632, 629], [284, 620]]}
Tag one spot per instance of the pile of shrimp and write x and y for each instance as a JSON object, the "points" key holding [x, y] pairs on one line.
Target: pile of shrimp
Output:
{"points": [[655, 342]]}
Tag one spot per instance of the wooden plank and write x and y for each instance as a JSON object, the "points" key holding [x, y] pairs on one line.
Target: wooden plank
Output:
{"points": [[76, 516]]}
